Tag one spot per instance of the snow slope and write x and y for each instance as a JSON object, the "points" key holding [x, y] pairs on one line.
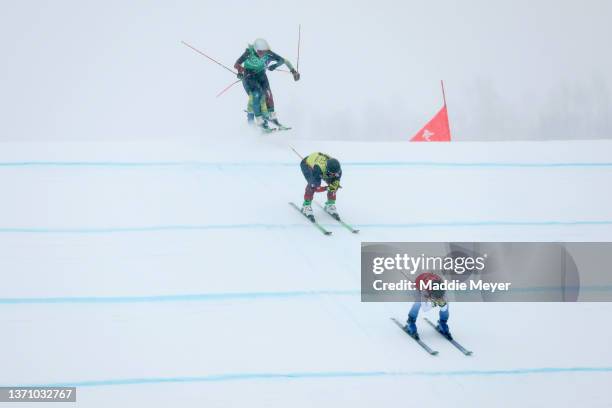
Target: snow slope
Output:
{"points": [[165, 274]]}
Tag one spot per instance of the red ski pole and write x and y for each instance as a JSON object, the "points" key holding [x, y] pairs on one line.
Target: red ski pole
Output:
{"points": [[228, 87]]}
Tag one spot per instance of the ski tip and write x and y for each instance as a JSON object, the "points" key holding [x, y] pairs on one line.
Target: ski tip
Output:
{"points": [[434, 353]]}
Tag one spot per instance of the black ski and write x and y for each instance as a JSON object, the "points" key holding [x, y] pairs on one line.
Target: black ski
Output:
{"points": [[312, 220], [451, 340], [418, 340], [337, 218]]}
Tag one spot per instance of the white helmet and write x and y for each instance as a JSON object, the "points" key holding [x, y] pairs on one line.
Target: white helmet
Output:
{"points": [[261, 45]]}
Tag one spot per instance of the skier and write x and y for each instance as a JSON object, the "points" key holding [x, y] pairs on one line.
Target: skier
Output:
{"points": [[319, 167], [429, 299], [251, 67]]}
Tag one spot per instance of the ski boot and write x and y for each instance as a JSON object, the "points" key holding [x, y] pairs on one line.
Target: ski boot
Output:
{"points": [[411, 328], [442, 327], [250, 118], [262, 123], [307, 210], [272, 118], [279, 126], [330, 208]]}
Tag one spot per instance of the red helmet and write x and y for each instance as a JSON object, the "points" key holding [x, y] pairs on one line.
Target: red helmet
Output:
{"points": [[434, 293]]}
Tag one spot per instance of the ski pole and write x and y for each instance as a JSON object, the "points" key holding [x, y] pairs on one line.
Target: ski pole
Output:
{"points": [[212, 59], [295, 151], [228, 87], [232, 84], [297, 65]]}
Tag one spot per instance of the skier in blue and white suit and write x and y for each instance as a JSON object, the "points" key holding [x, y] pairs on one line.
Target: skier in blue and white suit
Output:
{"points": [[429, 299]]}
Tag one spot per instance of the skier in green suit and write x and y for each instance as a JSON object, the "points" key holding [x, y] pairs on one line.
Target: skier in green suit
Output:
{"points": [[251, 67]]}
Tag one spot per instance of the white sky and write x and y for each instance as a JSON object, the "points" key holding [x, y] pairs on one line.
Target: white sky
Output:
{"points": [[370, 70]]}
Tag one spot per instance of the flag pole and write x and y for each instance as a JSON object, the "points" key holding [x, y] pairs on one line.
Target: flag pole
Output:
{"points": [[443, 93], [444, 98]]}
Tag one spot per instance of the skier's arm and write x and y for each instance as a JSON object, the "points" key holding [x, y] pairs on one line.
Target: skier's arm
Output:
{"points": [[278, 61], [333, 184], [316, 177], [238, 65]]}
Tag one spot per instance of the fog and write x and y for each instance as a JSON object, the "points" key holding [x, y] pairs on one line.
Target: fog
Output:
{"points": [[114, 70]]}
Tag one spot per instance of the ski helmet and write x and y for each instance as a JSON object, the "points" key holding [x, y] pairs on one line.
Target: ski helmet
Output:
{"points": [[261, 45], [333, 167]]}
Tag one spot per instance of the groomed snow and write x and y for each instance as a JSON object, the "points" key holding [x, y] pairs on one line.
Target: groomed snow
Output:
{"points": [[176, 274]]}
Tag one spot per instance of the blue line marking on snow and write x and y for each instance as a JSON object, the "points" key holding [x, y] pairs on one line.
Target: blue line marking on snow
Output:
{"points": [[372, 164], [255, 226], [202, 297], [321, 375], [477, 164], [212, 297], [149, 228], [494, 223]]}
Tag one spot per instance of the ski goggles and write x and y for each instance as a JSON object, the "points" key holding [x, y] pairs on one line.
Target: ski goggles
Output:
{"points": [[329, 174], [438, 302]]}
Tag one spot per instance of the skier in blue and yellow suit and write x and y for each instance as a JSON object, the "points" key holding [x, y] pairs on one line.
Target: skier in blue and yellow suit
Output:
{"points": [[318, 167], [251, 67]]}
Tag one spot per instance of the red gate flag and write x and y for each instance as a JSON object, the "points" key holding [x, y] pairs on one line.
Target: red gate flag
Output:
{"points": [[438, 128]]}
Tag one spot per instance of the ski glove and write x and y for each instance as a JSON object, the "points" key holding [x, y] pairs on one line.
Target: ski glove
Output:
{"points": [[296, 75], [240, 69], [334, 186]]}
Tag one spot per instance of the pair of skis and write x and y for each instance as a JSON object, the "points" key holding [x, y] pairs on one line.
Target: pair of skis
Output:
{"points": [[425, 346], [275, 129], [318, 226], [277, 124]]}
